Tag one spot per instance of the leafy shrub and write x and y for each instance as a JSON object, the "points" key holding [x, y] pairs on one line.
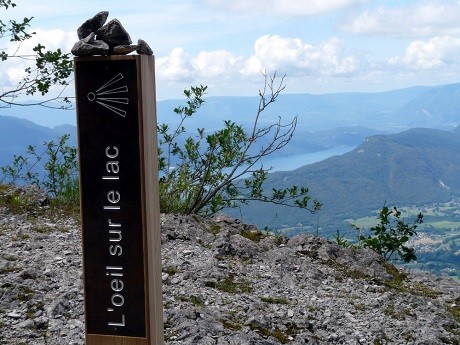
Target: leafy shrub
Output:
{"points": [[391, 235], [57, 175], [206, 173], [341, 240]]}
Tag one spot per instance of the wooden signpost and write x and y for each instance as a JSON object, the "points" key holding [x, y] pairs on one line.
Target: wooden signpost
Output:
{"points": [[116, 116]]}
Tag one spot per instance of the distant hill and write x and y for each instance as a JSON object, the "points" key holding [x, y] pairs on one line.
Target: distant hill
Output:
{"points": [[17, 134], [414, 167], [396, 110], [380, 110], [435, 107], [43, 116]]}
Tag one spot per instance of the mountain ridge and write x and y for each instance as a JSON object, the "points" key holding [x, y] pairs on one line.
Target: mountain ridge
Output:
{"points": [[311, 108], [414, 167]]}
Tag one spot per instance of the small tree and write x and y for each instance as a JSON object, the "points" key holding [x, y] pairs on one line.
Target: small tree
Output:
{"points": [[49, 67], [211, 171], [391, 235]]}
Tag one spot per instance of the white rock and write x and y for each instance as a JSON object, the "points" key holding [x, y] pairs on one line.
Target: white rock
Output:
{"points": [[14, 314]]}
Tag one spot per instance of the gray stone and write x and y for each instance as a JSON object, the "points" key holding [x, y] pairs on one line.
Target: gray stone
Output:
{"points": [[41, 322], [143, 48], [14, 314], [114, 34], [123, 50], [82, 48], [243, 247], [92, 24], [308, 291], [90, 39], [25, 324]]}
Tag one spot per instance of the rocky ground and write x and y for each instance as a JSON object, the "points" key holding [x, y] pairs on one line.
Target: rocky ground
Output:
{"points": [[223, 283]]}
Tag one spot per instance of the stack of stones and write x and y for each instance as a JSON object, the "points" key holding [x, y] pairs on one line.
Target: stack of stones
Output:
{"points": [[98, 38]]}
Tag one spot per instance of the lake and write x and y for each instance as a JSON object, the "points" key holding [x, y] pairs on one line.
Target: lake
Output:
{"points": [[293, 162]]}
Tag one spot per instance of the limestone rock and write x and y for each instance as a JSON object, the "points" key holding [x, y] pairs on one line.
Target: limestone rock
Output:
{"points": [[92, 24], [223, 285], [90, 39], [114, 34], [123, 50], [81, 48], [143, 47]]}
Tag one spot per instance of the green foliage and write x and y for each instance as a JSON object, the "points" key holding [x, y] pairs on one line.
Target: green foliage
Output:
{"points": [[60, 165], [229, 285], [195, 300], [398, 277], [232, 325], [49, 68], [17, 202], [454, 309], [253, 235], [341, 240], [210, 171], [390, 236], [291, 330], [201, 174]]}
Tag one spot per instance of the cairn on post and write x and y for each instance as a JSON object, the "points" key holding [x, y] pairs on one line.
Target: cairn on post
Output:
{"points": [[100, 38]]}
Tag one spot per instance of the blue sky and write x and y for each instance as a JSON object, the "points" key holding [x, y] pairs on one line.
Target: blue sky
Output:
{"points": [[322, 46]]}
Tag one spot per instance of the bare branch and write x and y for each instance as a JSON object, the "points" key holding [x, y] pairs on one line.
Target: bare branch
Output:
{"points": [[212, 170]]}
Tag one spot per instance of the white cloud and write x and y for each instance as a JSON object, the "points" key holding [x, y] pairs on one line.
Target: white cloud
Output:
{"points": [[51, 39], [271, 53], [216, 63], [435, 53], [421, 18], [283, 7], [21, 55], [175, 67], [295, 57]]}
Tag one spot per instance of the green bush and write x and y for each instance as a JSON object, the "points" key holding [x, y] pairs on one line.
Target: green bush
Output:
{"points": [[210, 171], [54, 169], [390, 236]]}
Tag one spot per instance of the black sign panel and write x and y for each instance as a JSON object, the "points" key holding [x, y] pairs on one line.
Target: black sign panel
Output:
{"points": [[110, 177]]}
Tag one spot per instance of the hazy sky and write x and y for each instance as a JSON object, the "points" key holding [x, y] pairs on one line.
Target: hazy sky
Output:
{"points": [[323, 46]]}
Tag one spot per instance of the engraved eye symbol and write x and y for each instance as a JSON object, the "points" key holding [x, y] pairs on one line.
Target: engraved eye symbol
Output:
{"points": [[108, 89]]}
